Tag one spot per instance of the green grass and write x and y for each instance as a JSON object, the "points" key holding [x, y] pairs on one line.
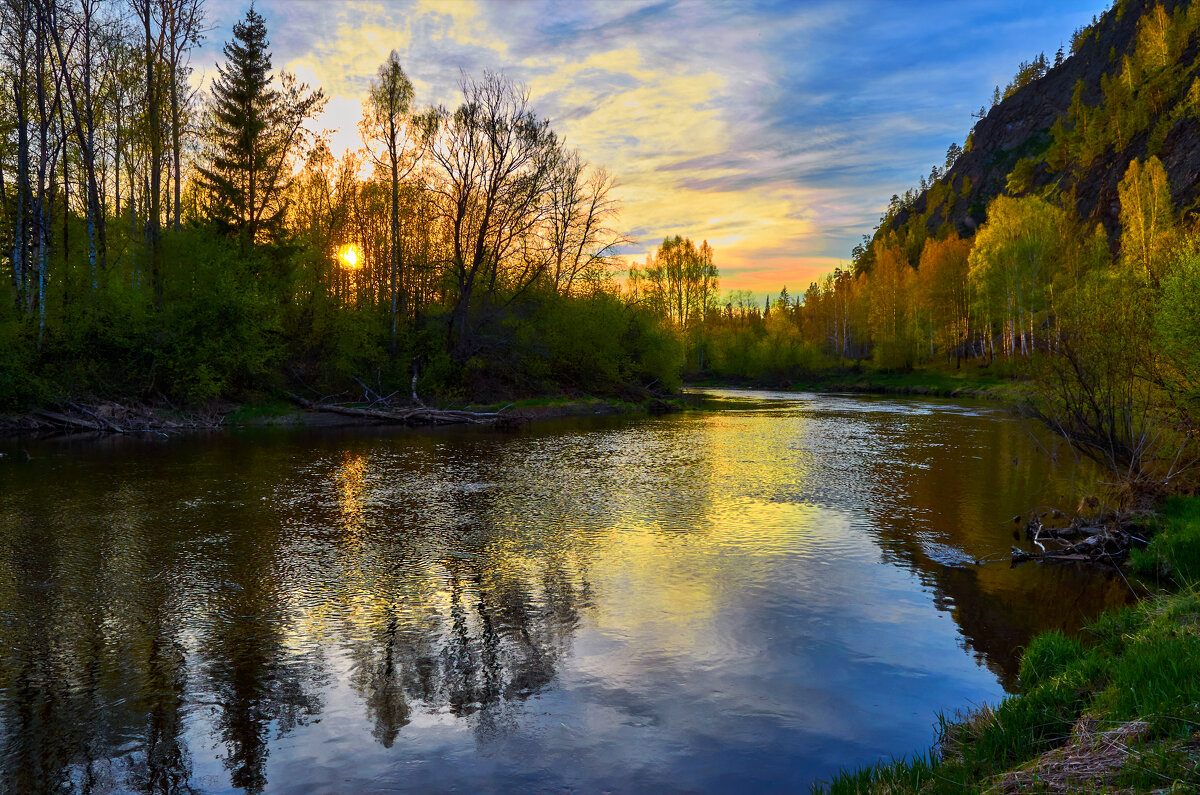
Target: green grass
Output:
{"points": [[535, 402], [251, 412], [1138, 663], [1174, 556]]}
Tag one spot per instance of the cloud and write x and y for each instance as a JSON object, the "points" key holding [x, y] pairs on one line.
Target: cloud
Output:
{"points": [[777, 130]]}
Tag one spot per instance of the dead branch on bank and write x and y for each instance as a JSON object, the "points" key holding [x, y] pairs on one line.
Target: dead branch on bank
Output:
{"points": [[1092, 535], [419, 415], [114, 418]]}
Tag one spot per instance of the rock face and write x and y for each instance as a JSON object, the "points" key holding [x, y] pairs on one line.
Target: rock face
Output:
{"points": [[1021, 124]]}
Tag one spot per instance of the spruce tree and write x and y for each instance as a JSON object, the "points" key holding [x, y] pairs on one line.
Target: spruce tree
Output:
{"points": [[252, 127]]}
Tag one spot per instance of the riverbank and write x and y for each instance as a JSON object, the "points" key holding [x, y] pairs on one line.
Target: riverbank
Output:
{"points": [[116, 417], [1117, 709], [970, 381]]}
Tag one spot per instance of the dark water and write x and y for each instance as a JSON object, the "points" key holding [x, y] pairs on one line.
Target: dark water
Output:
{"points": [[735, 601]]}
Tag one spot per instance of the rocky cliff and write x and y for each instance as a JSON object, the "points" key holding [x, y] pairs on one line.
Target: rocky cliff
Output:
{"points": [[1128, 90]]}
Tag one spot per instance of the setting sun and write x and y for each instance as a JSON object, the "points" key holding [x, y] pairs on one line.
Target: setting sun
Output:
{"points": [[350, 256]]}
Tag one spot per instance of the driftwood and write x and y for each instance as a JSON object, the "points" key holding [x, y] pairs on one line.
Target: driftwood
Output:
{"points": [[68, 421], [413, 416], [114, 418], [107, 423], [1102, 547], [1102, 535]]}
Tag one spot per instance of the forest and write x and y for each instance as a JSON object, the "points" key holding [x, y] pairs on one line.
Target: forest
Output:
{"points": [[160, 243]]}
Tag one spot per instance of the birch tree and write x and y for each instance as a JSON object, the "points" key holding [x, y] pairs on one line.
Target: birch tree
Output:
{"points": [[388, 122]]}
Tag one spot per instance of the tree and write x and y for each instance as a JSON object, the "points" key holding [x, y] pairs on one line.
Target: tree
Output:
{"points": [[152, 52], [84, 118], [953, 153], [182, 21], [890, 288], [943, 279], [386, 120], [1147, 218], [581, 241], [682, 282], [1008, 265], [253, 129], [495, 157]]}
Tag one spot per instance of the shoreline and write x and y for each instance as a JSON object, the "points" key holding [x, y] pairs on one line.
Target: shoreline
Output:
{"points": [[917, 383], [1116, 710], [114, 418]]}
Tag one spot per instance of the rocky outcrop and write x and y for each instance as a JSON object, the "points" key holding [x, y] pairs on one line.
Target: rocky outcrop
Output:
{"points": [[1020, 125]]}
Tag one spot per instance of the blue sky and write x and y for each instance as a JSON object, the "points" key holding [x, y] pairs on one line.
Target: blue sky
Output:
{"points": [[776, 130]]}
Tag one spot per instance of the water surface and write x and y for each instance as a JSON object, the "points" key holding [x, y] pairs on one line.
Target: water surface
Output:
{"points": [[743, 599]]}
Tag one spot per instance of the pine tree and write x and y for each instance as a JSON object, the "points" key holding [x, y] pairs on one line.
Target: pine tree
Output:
{"points": [[953, 153], [252, 128]]}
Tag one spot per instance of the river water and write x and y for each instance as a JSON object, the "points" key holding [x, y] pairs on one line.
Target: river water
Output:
{"points": [[741, 598]]}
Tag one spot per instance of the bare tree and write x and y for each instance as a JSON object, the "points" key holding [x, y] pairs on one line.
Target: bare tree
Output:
{"points": [[152, 54], [496, 158], [82, 29], [18, 19], [183, 27], [581, 239]]}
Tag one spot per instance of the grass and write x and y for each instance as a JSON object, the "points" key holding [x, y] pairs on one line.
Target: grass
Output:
{"points": [[251, 412], [1117, 709], [1174, 557]]}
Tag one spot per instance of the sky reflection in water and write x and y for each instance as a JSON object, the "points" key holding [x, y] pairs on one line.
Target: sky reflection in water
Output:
{"points": [[747, 599]]}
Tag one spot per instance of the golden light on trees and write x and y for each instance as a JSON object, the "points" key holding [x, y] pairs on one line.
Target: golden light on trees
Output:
{"points": [[350, 256]]}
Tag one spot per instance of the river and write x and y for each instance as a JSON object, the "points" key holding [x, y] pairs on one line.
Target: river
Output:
{"points": [[745, 597]]}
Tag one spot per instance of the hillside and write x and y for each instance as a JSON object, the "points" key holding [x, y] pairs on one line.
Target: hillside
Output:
{"points": [[1127, 90]]}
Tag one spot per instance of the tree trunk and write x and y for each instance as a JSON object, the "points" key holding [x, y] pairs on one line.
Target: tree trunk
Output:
{"points": [[176, 156], [21, 237], [154, 131], [395, 235]]}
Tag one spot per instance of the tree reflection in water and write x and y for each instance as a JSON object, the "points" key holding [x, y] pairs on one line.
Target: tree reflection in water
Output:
{"points": [[221, 597]]}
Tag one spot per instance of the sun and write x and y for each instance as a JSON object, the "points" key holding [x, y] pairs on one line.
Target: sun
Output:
{"points": [[350, 256]]}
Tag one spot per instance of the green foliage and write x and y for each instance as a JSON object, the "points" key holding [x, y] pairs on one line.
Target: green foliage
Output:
{"points": [[1020, 179], [655, 353], [1027, 72], [584, 345], [19, 386], [219, 333], [583, 341], [1148, 224], [1177, 328], [1173, 555]]}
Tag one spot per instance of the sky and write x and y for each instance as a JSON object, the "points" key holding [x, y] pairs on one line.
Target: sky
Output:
{"points": [[775, 129]]}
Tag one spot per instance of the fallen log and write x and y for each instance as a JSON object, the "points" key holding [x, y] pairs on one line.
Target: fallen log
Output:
{"points": [[70, 422], [132, 421], [107, 423], [414, 416]]}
